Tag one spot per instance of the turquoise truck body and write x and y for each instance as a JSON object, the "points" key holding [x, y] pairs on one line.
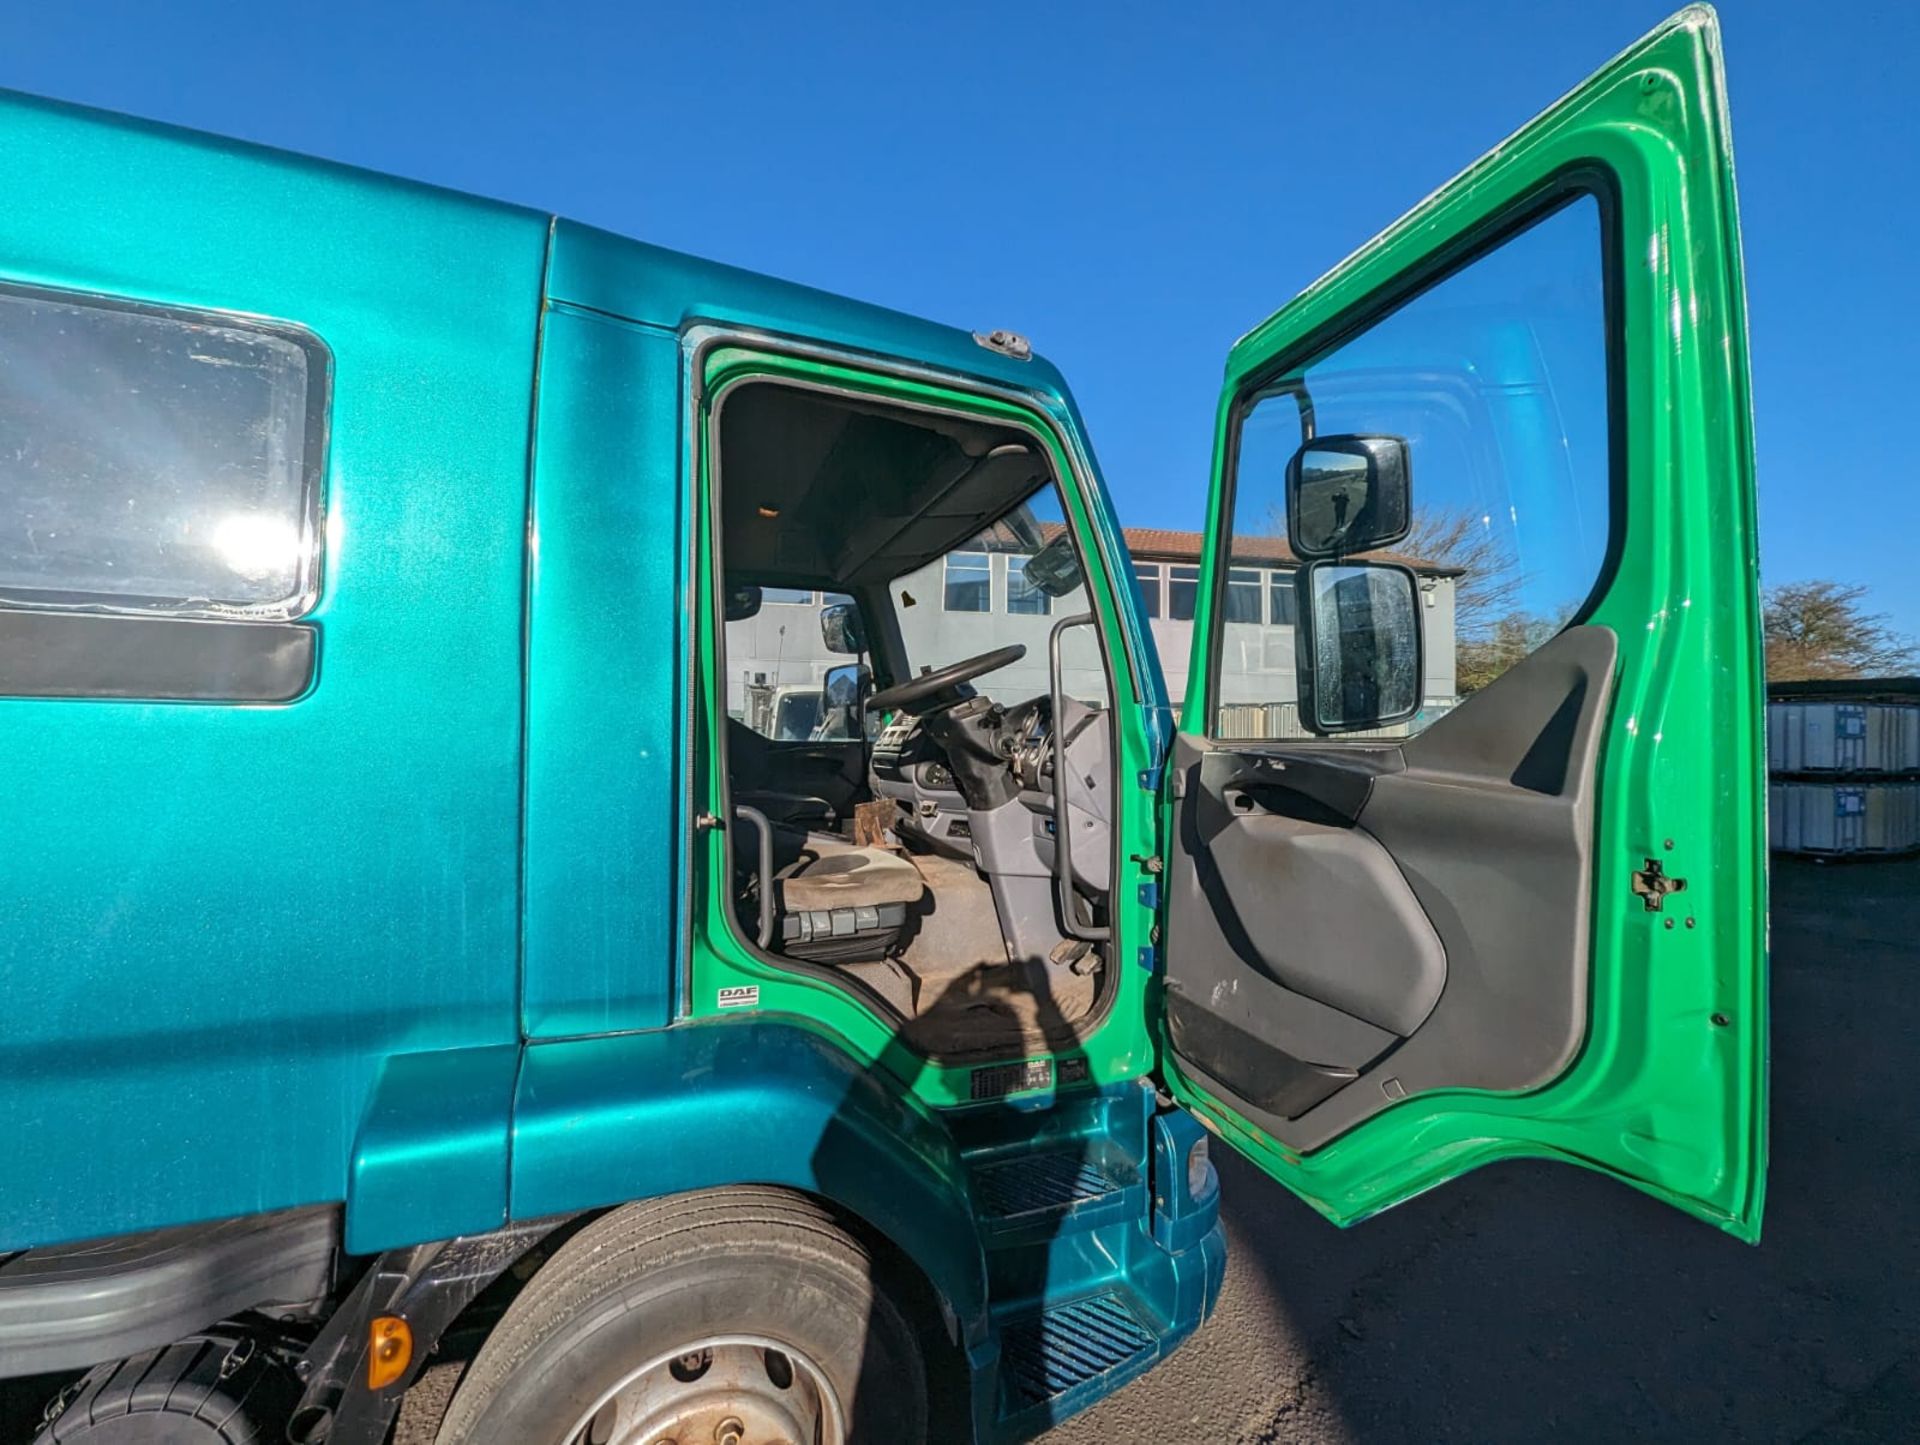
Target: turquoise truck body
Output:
{"points": [[421, 932]]}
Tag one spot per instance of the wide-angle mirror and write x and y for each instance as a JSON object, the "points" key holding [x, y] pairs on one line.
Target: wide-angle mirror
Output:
{"points": [[1362, 646]]}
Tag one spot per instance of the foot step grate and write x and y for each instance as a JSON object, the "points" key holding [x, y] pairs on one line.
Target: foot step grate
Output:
{"points": [[1033, 1183], [1047, 1354]]}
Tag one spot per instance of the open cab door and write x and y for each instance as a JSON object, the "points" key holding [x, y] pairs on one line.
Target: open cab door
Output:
{"points": [[1466, 856]]}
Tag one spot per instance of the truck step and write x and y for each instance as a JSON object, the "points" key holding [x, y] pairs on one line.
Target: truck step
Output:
{"points": [[1040, 1192], [1028, 1184], [1080, 1348]]}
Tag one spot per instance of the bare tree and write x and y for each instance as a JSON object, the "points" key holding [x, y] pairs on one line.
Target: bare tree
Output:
{"points": [[1486, 593], [1492, 630], [1821, 629], [1487, 589]]}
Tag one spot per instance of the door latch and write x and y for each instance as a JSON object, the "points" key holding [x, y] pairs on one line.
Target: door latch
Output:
{"points": [[1652, 885]]}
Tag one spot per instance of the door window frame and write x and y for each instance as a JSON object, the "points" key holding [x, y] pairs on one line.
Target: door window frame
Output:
{"points": [[1126, 660], [1583, 179]]}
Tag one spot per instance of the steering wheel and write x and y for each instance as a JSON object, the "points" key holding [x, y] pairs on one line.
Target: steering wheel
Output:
{"points": [[930, 685]]}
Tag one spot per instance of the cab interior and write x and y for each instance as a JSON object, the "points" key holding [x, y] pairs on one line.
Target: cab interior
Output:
{"points": [[907, 847]]}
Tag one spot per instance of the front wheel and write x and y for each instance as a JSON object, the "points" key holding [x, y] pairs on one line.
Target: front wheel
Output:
{"points": [[738, 1316]]}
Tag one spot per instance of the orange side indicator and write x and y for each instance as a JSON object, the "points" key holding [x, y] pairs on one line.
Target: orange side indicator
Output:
{"points": [[389, 1349]]}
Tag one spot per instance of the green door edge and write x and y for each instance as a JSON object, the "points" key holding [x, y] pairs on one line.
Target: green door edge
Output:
{"points": [[1120, 1046], [1669, 1091]]}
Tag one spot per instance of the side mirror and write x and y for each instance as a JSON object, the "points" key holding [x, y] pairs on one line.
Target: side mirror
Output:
{"points": [[1348, 494], [743, 602], [842, 630], [1361, 654], [1054, 569], [843, 694]]}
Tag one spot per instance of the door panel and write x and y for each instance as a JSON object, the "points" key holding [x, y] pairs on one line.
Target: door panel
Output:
{"points": [[1557, 338], [1448, 915]]}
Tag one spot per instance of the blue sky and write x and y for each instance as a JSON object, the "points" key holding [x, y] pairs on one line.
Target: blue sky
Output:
{"points": [[1130, 185]]}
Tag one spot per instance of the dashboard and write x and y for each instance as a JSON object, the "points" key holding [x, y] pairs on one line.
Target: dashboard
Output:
{"points": [[911, 766]]}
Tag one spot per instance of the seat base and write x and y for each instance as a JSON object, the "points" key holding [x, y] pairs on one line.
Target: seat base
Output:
{"points": [[843, 935], [836, 903]]}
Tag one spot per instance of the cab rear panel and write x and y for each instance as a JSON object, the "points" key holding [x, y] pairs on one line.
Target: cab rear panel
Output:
{"points": [[225, 919]]}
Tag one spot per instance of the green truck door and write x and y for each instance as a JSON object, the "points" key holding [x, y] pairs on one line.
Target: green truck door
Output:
{"points": [[1528, 919]]}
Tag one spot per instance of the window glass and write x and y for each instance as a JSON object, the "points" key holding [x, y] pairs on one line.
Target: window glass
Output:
{"points": [[162, 461], [1496, 377], [1281, 602], [1243, 595], [936, 636], [1149, 575], [777, 663], [1022, 598], [969, 582], [1183, 590]]}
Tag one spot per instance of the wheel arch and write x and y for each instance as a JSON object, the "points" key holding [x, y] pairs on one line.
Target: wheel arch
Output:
{"points": [[755, 1101]]}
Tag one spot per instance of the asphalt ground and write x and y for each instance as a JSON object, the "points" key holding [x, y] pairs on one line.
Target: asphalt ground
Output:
{"points": [[1532, 1302]]}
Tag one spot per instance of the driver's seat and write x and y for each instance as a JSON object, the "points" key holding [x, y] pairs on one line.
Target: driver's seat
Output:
{"points": [[837, 903]]}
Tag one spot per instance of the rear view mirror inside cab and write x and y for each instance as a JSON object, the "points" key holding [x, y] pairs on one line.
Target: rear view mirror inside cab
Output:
{"points": [[1054, 569], [1348, 494], [1363, 662]]}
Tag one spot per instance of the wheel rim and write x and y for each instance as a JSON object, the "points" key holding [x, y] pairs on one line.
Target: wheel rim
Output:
{"points": [[726, 1390]]}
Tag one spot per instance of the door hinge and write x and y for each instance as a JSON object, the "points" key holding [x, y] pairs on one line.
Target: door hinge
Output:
{"points": [[1651, 885]]}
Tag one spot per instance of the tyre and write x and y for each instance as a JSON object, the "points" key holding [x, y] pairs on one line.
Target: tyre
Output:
{"points": [[739, 1316], [204, 1390]]}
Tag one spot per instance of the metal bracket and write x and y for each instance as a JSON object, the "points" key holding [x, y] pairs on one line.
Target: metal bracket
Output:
{"points": [[427, 1286], [1007, 343], [1651, 885]]}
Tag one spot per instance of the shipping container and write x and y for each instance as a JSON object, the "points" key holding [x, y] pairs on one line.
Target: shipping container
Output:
{"points": [[1866, 737], [1842, 819]]}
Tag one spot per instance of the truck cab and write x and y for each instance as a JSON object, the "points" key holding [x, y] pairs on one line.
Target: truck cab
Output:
{"points": [[572, 799]]}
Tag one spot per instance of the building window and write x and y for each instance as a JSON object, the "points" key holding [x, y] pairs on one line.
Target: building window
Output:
{"points": [[158, 460], [1022, 596], [1183, 586], [1284, 610], [969, 582], [793, 596], [1149, 575], [1243, 594]]}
